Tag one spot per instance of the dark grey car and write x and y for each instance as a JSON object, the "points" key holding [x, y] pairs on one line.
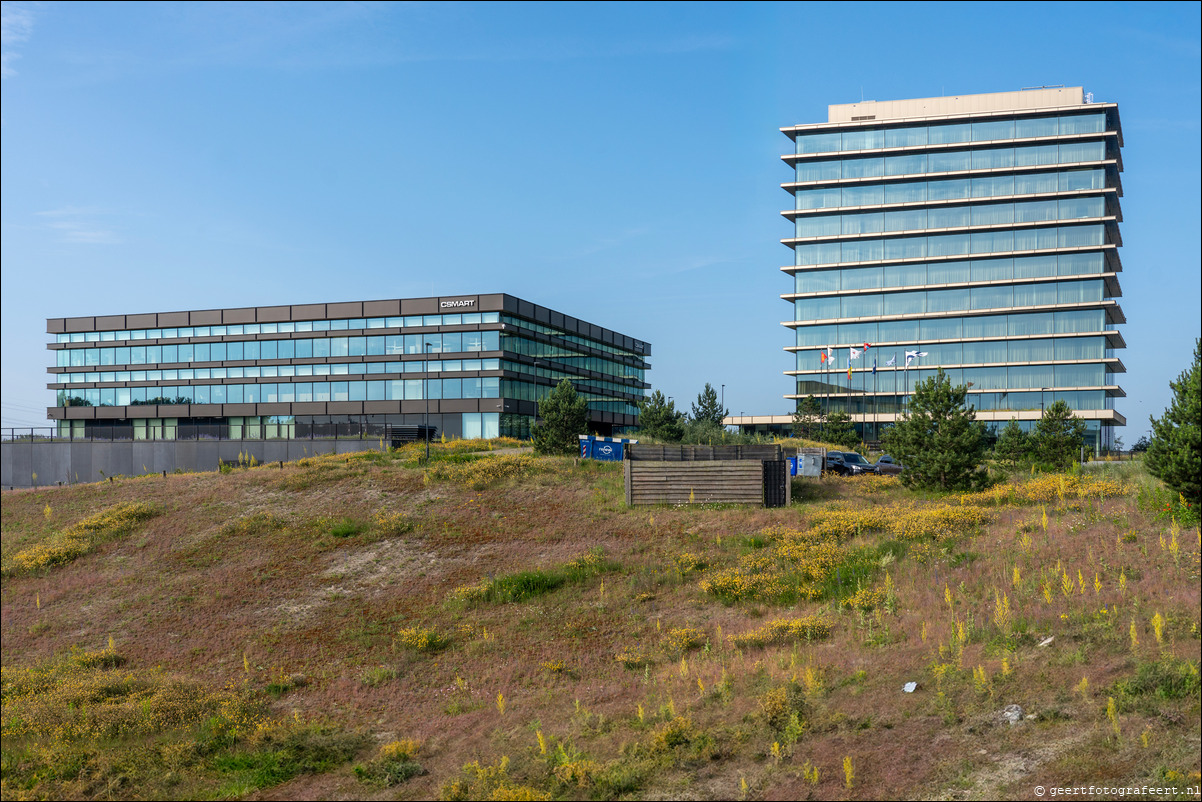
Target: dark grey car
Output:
{"points": [[887, 466]]}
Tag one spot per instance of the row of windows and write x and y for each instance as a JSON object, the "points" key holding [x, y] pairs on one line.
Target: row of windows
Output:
{"points": [[973, 353], [1024, 324], [945, 133], [530, 325], [380, 345], [857, 404], [949, 161], [1025, 377], [271, 427], [284, 392], [287, 371], [975, 242], [281, 371], [555, 376], [527, 391], [513, 344], [920, 302], [986, 186], [235, 330], [986, 214], [919, 275]]}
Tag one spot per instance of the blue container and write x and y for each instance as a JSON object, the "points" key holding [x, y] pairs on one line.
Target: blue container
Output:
{"points": [[609, 449]]}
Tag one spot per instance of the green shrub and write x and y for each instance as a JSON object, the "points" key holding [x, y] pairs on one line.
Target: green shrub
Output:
{"points": [[346, 528]]}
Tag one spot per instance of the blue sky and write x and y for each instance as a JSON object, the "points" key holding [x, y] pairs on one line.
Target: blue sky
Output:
{"points": [[619, 163]]}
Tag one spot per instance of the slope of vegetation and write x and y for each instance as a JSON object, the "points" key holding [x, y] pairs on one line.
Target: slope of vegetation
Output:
{"points": [[502, 626]]}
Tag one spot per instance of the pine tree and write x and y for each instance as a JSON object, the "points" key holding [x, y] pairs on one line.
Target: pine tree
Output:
{"points": [[839, 430], [563, 416], [1058, 436], [938, 438], [1013, 446], [658, 418], [1175, 454], [807, 418], [708, 410]]}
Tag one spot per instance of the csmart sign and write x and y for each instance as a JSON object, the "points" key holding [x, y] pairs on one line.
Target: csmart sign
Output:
{"points": [[455, 304]]}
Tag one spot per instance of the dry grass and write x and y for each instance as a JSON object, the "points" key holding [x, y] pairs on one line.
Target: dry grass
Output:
{"points": [[241, 582]]}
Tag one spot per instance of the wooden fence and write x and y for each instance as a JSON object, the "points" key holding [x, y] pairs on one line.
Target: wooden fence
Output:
{"points": [[698, 482]]}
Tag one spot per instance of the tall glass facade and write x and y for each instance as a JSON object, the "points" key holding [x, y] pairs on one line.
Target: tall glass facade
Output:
{"points": [[477, 365], [977, 234]]}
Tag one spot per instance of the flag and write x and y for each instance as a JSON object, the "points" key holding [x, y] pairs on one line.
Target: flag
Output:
{"points": [[849, 370], [912, 355], [892, 359], [830, 353], [821, 357], [855, 353], [866, 346], [874, 366]]}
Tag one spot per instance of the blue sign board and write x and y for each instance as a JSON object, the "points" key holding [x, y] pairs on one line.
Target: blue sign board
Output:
{"points": [[603, 448]]}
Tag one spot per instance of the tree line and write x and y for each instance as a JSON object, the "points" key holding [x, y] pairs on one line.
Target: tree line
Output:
{"points": [[937, 438]]}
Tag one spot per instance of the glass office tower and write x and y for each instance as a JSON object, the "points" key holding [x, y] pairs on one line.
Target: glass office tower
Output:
{"points": [[469, 366], [978, 234]]}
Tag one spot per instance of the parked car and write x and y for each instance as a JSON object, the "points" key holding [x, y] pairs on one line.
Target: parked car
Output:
{"points": [[887, 466], [848, 463]]}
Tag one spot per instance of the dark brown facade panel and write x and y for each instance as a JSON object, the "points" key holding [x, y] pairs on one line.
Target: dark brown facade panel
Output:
{"points": [[205, 411], [344, 408], [142, 321], [110, 413], [381, 407], [350, 309], [419, 306], [542, 315], [244, 315], [381, 308], [111, 322], [81, 324], [309, 408], [419, 407], [525, 309], [465, 404], [56, 413], [240, 410], [56, 325], [273, 409], [492, 302], [168, 320], [205, 317], [273, 314], [80, 413], [309, 312]]}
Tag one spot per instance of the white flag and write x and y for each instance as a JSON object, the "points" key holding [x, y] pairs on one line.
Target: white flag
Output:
{"points": [[912, 355], [892, 359], [855, 353]]}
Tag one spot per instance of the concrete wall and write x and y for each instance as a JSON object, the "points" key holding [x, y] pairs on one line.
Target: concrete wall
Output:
{"points": [[1051, 98], [36, 464]]}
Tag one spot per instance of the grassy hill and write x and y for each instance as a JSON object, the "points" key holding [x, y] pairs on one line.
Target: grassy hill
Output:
{"points": [[504, 627]]}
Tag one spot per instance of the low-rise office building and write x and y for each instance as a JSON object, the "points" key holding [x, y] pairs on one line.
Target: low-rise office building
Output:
{"points": [[468, 365]]}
